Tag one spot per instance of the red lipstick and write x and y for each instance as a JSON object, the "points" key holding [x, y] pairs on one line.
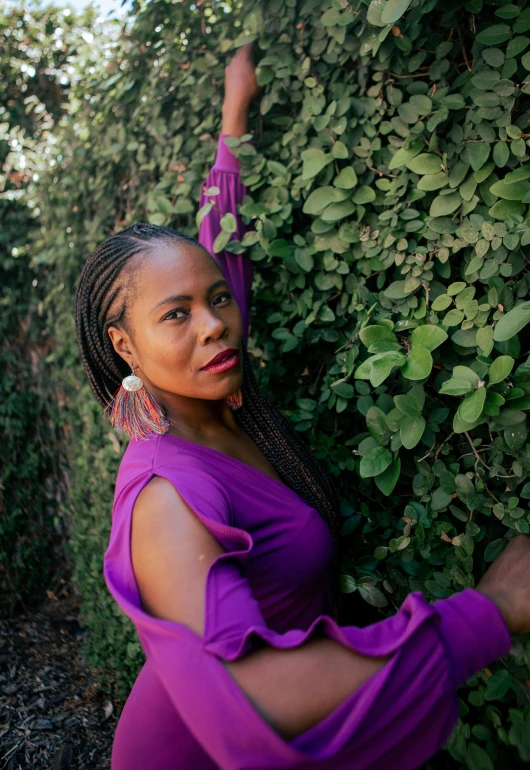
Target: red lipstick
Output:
{"points": [[223, 361]]}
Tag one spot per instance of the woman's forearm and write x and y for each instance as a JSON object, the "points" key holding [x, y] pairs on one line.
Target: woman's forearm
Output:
{"points": [[235, 118], [296, 689]]}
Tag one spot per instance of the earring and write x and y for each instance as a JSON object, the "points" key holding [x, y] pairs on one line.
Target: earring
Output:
{"points": [[235, 401], [134, 411]]}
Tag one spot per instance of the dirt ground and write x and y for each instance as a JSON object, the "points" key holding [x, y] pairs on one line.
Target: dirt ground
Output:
{"points": [[53, 715]]}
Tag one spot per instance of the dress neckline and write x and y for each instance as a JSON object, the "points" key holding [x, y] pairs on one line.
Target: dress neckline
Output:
{"points": [[218, 453]]}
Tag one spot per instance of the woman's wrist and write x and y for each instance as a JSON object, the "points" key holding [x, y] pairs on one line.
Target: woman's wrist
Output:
{"points": [[234, 118]]}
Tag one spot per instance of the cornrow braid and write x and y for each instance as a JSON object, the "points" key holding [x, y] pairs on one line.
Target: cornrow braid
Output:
{"points": [[290, 456], [294, 461]]}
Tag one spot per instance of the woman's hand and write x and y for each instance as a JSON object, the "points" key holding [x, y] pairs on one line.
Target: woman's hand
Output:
{"points": [[507, 584], [241, 87]]}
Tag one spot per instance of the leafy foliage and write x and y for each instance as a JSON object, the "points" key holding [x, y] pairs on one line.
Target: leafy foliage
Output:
{"points": [[30, 480], [388, 196]]}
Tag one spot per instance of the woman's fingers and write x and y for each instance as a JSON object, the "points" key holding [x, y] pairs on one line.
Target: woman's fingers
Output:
{"points": [[240, 77]]}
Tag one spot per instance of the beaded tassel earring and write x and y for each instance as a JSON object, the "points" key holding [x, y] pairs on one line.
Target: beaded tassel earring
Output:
{"points": [[134, 411], [235, 401]]}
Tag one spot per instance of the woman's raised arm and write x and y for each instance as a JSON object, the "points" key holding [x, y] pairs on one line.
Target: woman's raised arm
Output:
{"points": [[240, 88]]}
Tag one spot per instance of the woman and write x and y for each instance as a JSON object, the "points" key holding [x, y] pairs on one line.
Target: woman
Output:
{"points": [[224, 529]]}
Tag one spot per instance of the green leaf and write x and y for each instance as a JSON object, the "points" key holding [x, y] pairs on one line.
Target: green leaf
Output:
{"points": [[472, 406], [442, 302], [314, 161], [403, 156], [343, 389], [278, 169], [221, 241], [466, 338], [478, 153], [440, 499], [347, 584], [507, 418], [514, 191], [382, 367], [494, 549], [376, 424], [429, 336], [304, 259], [456, 387], [505, 209], [493, 56], [494, 35], [512, 322], [431, 182], [411, 431], [500, 369], [397, 290], [202, 212], [279, 248], [443, 205], [364, 194], [485, 339], [425, 164], [346, 179], [459, 426], [477, 758], [394, 10], [370, 593], [516, 46], [418, 364], [337, 211], [376, 333], [498, 685], [375, 462], [407, 405], [318, 200], [387, 480], [157, 218], [455, 288], [228, 223], [523, 172]]}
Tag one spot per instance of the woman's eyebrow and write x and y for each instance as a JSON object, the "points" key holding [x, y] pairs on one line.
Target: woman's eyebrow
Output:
{"points": [[183, 297]]}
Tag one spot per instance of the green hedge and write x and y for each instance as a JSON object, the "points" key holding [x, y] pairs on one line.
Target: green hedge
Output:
{"points": [[388, 191], [32, 88]]}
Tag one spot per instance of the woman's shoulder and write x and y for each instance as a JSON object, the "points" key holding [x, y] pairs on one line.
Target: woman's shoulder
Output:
{"points": [[164, 451], [190, 472]]}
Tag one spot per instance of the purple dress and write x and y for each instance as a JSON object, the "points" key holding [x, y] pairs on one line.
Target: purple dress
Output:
{"points": [[272, 584]]}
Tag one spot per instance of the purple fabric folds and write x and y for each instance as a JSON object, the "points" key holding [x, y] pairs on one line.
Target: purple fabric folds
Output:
{"points": [[237, 268], [272, 585]]}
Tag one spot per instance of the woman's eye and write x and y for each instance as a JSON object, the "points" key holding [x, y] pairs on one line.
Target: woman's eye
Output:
{"points": [[222, 297], [174, 315]]}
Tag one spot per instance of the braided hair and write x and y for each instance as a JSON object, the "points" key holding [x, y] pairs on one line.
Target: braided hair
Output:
{"points": [[104, 284]]}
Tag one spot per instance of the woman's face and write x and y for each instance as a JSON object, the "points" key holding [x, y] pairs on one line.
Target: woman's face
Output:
{"points": [[181, 315]]}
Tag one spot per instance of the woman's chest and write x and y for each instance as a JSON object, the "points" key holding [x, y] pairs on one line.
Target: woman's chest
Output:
{"points": [[292, 544]]}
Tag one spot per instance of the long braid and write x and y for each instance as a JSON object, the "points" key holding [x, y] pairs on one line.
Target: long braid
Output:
{"points": [[290, 456], [293, 459]]}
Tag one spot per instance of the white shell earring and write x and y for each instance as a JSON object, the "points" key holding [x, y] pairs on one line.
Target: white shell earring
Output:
{"points": [[134, 410], [132, 383]]}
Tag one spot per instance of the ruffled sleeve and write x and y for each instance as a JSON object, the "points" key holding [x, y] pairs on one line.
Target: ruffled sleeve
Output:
{"points": [[398, 718], [236, 268]]}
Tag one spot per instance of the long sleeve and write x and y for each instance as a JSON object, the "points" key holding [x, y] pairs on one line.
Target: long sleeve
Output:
{"points": [[398, 718], [237, 268]]}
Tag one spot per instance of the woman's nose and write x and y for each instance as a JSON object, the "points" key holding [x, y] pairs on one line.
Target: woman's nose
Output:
{"points": [[211, 327]]}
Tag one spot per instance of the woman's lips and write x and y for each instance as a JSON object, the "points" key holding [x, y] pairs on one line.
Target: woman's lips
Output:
{"points": [[222, 366]]}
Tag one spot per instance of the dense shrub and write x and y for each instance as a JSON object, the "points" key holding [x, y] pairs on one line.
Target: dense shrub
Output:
{"points": [[388, 189], [32, 88]]}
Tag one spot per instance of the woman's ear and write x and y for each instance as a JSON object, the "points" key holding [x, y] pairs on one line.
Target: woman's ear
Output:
{"points": [[121, 343]]}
